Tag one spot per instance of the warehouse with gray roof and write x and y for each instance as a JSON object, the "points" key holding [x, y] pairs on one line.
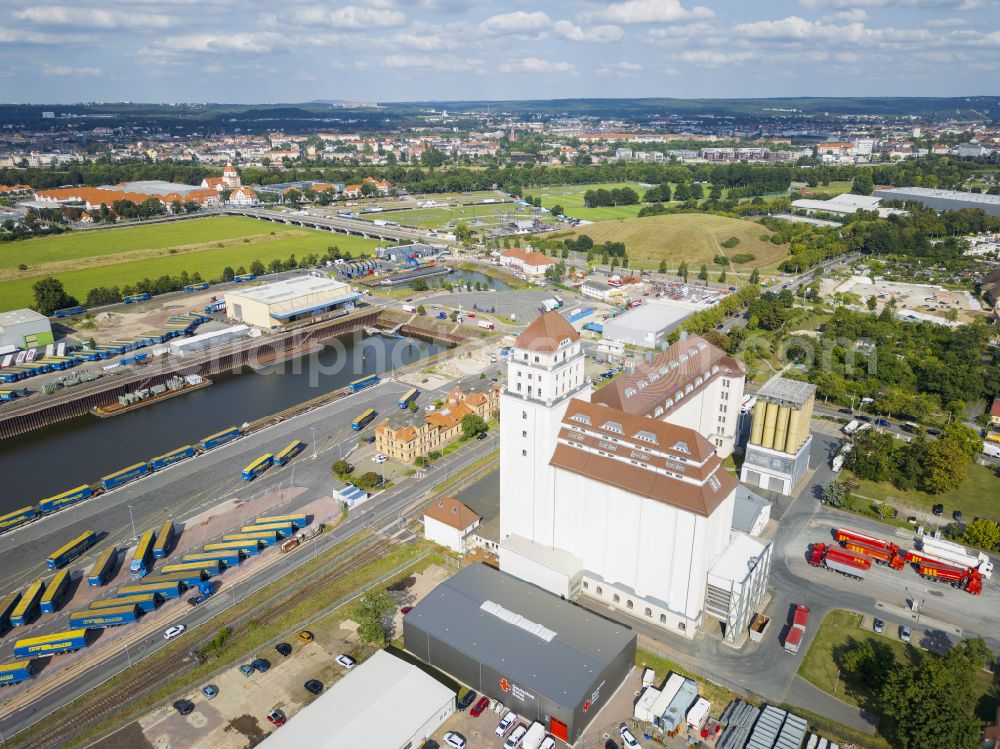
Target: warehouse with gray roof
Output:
{"points": [[545, 658], [943, 200]]}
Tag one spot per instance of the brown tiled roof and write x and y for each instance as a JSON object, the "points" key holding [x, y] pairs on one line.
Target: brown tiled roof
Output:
{"points": [[529, 257], [653, 382], [448, 417], [546, 333], [995, 407], [451, 512]]}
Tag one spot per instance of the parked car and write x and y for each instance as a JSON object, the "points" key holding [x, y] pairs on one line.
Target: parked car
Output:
{"points": [[284, 649], [346, 661], [314, 686], [184, 707], [549, 743], [261, 664], [863, 417], [305, 635], [209, 690], [627, 738], [276, 718], [481, 436], [246, 669], [847, 411], [882, 423], [934, 432], [174, 631], [467, 699], [477, 709], [878, 625], [515, 736], [454, 740], [957, 516], [405, 610], [506, 722], [905, 633], [938, 510]]}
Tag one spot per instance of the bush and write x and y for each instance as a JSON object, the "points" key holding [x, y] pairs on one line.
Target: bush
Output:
{"points": [[720, 260], [434, 454], [341, 468], [368, 480], [420, 461], [743, 257], [731, 242]]}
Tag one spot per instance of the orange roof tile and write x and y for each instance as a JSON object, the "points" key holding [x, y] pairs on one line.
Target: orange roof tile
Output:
{"points": [[451, 512], [546, 334]]}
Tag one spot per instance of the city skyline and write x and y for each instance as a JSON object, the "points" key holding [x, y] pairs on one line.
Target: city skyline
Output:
{"points": [[440, 50]]}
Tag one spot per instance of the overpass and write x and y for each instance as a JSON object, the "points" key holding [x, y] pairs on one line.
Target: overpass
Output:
{"points": [[338, 224]]}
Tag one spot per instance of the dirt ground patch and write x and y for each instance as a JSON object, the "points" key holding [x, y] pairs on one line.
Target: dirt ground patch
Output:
{"points": [[129, 737], [249, 726]]}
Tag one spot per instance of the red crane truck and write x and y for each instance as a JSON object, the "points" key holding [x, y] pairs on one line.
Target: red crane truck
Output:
{"points": [[963, 578], [797, 632], [844, 561], [880, 550]]}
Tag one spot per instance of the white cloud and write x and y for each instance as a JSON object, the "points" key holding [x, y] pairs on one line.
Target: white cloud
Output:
{"points": [[572, 32], [713, 58], [64, 70], [850, 15], [424, 42], [537, 65], [13, 36], [431, 62], [648, 11], [957, 4], [622, 69], [518, 22], [682, 31], [255, 43], [940, 23], [94, 18], [347, 17]]}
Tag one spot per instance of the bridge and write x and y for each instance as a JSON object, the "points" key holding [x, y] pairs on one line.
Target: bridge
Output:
{"points": [[338, 224]]}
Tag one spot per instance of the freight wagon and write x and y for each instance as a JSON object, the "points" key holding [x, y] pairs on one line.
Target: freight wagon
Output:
{"points": [[166, 589], [55, 592], [7, 606], [245, 277], [14, 519], [258, 467], [70, 311], [283, 529], [298, 520], [65, 499], [220, 438], [15, 673], [125, 475], [268, 538], [246, 546], [142, 559], [228, 558], [66, 554], [289, 452], [136, 298], [108, 617], [54, 644], [196, 287], [189, 579], [27, 608], [164, 541], [103, 567], [176, 456], [363, 382], [145, 601], [207, 567]]}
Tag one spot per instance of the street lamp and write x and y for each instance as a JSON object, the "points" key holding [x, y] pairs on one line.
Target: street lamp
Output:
{"points": [[314, 442], [131, 518]]}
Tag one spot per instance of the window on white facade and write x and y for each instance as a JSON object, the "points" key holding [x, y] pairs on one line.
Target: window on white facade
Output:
{"points": [[649, 612], [616, 598], [524, 414], [663, 618], [628, 603], [682, 626], [586, 585], [600, 590], [524, 434]]}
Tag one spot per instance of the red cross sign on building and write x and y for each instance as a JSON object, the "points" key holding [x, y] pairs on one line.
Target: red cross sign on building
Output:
{"points": [[504, 685]]}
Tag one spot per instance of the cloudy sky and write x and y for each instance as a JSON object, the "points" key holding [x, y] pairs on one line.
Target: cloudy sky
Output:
{"points": [[395, 50]]}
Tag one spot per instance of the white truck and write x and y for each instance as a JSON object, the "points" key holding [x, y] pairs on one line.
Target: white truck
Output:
{"points": [[409, 308], [486, 325], [852, 427], [534, 737], [992, 449]]}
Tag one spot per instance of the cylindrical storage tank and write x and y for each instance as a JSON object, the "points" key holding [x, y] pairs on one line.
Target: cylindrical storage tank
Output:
{"points": [[794, 439], [757, 426], [781, 428], [770, 420]]}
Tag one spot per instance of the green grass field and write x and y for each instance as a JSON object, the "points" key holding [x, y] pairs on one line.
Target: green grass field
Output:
{"points": [[820, 665], [476, 217], [117, 257], [977, 496], [692, 237], [570, 197]]}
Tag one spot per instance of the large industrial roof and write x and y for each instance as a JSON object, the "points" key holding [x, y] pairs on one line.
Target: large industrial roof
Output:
{"points": [[542, 643], [380, 703], [653, 317], [19, 317], [784, 391], [296, 295], [929, 192]]}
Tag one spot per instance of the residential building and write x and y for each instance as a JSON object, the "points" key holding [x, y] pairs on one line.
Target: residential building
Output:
{"points": [[450, 523], [600, 290], [528, 262], [995, 413], [243, 196], [406, 443], [599, 499]]}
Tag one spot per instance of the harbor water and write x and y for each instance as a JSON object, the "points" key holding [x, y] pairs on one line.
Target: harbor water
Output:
{"points": [[52, 460]]}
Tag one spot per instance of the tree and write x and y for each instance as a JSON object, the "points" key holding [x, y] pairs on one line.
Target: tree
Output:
{"points": [[373, 609], [872, 303], [421, 310], [257, 268], [863, 184], [340, 468], [50, 296], [872, 455], [473, 425], [228, 274], [966, 439], [944, 466], [755, 276], [557, 210], [663, 266], [835, 494], [462, 232], [982, 533], [703, 273], [368, 480], [722, 276]]}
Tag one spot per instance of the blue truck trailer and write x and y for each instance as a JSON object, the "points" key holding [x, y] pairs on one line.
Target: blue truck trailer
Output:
{"points": [[293, 449], [142, 558], [363, 382], [55, 592], [208, 567], [229, 558], [164, 540], [7, 606], [196, 286], [108, 617], [66, 554], [103, 567], [54, 644], [145, 601], [175, 456], [65, 499], [20, 517], [190, 579], [408, 398], [299, 520], [27, 607], [220, 438], [166, 589], [246, 546], [15, 673], [70, 311], [114, 480], [136, 298], [257, 467], [268, 538]]}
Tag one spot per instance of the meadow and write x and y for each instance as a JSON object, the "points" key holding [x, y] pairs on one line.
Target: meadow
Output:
{"points": [[118, 257], [695, 238], [570, 197]]}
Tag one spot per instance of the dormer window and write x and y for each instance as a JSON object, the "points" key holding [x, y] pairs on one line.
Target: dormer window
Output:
{"points": [[581, 418], [613, 426], [681, 447], [646, 436]]}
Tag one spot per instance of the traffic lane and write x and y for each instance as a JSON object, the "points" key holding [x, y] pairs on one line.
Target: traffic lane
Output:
{"points": [[383, 511], [179, 490]]}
